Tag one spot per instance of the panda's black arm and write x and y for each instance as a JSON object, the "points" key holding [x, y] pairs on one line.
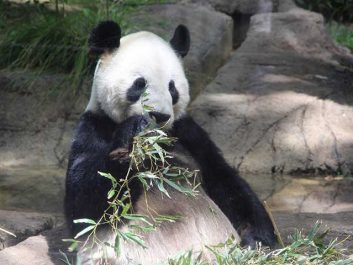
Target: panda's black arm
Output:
{"points": [[86, 191], [224, 185]]}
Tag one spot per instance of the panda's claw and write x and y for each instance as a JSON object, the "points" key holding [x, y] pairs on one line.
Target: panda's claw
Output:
{"points": [[120, 154], [251, 237]]}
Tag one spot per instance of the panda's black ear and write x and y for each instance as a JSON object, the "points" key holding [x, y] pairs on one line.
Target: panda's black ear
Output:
{"points": [[105, 37], [181, 40]]}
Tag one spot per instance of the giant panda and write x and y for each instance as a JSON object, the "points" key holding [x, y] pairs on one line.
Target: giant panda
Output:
{"points": [[226, 206]]}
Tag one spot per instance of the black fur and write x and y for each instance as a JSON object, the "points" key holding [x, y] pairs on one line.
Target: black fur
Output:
{"points": [[136, 90], [181, 40], [159, 117], [224, 185], [173, 92], [97, 136], [104, 38]]}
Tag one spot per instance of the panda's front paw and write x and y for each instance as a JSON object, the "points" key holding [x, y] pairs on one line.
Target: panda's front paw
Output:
{"points": [[120, 154], [250, 236], [129, 128]]}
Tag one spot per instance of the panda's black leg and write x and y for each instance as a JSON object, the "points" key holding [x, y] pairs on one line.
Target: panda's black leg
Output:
{"points": [[224, 186]]}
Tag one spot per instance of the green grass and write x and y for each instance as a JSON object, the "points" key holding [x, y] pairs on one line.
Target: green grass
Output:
{"points": [[303, 249], [339, 10], [341, 33], [40, 39]]}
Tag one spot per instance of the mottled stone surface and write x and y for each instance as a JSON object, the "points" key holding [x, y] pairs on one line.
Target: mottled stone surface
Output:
{"points": [[339, 226], [22, 225], [39, 189], [239, 6], [283, 102], [43, 249]]}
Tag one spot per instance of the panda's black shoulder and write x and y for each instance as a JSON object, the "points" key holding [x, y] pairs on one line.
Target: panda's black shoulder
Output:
{"points": [[92, 132], [94, 122], [192, 135]]}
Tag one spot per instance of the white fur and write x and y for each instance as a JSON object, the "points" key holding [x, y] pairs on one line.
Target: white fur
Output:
{"points": [[202, 224], [146, 55]]}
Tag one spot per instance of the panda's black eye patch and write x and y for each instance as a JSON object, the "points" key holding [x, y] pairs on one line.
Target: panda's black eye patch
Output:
{"points": [[136, 90], [173, 92]]}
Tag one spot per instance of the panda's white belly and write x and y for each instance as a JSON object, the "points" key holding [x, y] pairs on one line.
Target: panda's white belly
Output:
{"points": [[202, 223]]}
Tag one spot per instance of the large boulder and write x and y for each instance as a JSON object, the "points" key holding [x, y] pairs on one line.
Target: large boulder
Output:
{"points": [[36, 188], [36, 124], [336, 227], [22, 225], [238, 6], [283, 102], [46, 248]]}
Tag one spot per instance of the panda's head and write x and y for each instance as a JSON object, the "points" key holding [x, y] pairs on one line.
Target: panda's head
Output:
{"points": [[139, 69]]}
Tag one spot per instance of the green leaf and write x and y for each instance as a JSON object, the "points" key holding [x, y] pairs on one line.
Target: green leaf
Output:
{"points": [[111, 193], [168, 218], [161, 188], [84, 231], [126, 208], [159, 151], [117, 245], [145, 229], [74, 244], [179, 187], [65, 259], [133, 238], [108, 176], [137, 217], [148, 174], [85, 220], [144, 182]]}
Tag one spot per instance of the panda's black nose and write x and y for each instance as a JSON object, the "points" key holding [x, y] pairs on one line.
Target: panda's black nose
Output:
{"points": [[159, 117]]}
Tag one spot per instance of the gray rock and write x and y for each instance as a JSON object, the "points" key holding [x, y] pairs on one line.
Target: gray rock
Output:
{"points": [[239, 6], [23, 225], [308, 195], [35, 123], [211, 37], [35, 188], [339, 225], [285, 5], [43, 249], [283, 103]]}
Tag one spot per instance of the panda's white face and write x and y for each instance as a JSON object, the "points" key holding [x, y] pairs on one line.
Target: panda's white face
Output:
{"points": [[143, 62]]}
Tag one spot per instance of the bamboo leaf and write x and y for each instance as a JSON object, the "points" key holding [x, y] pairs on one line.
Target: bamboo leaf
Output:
{"points": [[7, 232], [179, 188], [117, 248], [85, 220], [108, 176], [161, 188], [133, 238], [137, 217], [84, 231], [111, 193]]}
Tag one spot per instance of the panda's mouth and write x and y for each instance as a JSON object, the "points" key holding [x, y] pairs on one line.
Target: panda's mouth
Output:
{"points": [[159, 118]]}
